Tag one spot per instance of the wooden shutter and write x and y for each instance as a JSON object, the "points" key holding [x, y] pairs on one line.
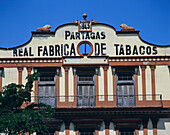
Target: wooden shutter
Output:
{"points": [[131, 95], [85, 95], [52, 97], [85, 89], [79, 95], [40, 96], [125, 95], [47, 95], [119, 95], [91, 96]]}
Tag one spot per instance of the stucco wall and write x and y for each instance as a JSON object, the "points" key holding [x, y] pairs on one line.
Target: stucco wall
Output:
{"points": [[33, 88], [62, 129], [148, 83], [62, 84], [163, 126], [140, 84], [150, 127], [72, 130], [24, 75], [10, 75], [110, 83], [141, 130], [102, 129], [112, 130], [110, 39], [162, 81], [71, 85], [101, 83]]}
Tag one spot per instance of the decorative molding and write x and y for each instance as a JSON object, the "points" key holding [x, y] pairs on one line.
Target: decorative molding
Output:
{"points": [[143, 82], [58, 71], [136, 87], [145, 129], [20, 75], [152, 67], [136, 70], [29, 69], [75, 86], [82, 42], [143, 67], [20, 69], [57, 89], [96, 71], [74, 71], [139, 59], [105, 83], [35, 70], [153, 81], [113, 70], [154, 121], [29, 60], [105, 68], [66, 68], [1, 71]]}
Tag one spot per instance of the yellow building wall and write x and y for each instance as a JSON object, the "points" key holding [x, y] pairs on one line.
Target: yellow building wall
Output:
{"points": [[162, 82], [140, 84], [71, 84], [101, 83], [10, 75], [163, 126], [110, 83], [148, 83], [62, 85]]}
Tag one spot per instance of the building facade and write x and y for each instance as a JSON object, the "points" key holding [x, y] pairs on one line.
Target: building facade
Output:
{"points": [[100, 81]]}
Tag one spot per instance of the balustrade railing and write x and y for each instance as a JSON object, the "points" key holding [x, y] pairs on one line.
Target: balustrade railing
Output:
{"points": [[148, 100]]}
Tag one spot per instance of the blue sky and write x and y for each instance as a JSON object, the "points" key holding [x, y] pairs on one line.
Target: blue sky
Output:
{"points": [[19, 17]]}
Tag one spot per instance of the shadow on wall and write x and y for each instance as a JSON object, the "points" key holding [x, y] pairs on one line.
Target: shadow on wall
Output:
{"points": [[62, 129], [161, 123], [102, 129]]}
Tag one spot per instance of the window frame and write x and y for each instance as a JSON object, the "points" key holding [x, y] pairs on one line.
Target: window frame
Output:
{"points": [[84, 42]]}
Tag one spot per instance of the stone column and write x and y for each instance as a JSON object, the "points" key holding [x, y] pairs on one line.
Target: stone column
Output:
{"points": [[20, 75], [145, 124], [154, 123], [105, 84], [97, 86], [153, 81], [107, 123], [66, 83], [67, 129], [114, 84], [1, 72], [143, 82], [35, 88], [57, 85], [29, 70], [75, 91]]}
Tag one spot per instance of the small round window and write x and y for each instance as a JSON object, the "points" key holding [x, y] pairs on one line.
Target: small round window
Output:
{"points": [[85, 48]]}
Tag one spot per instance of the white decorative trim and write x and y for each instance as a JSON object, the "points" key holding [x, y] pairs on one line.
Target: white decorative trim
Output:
{"points": [[137, 59]]}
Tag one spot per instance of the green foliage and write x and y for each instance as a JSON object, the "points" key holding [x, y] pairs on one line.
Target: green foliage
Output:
{"points": [[13, 118]]}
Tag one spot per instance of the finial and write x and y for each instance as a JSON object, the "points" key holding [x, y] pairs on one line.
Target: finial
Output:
{"points": [[84, 16]]}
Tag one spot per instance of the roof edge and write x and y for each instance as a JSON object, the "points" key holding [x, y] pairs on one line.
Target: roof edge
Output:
{"points": [[53, 32]]}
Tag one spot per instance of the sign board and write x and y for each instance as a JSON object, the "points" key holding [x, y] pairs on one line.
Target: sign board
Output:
{"points": [[102, 40]]}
